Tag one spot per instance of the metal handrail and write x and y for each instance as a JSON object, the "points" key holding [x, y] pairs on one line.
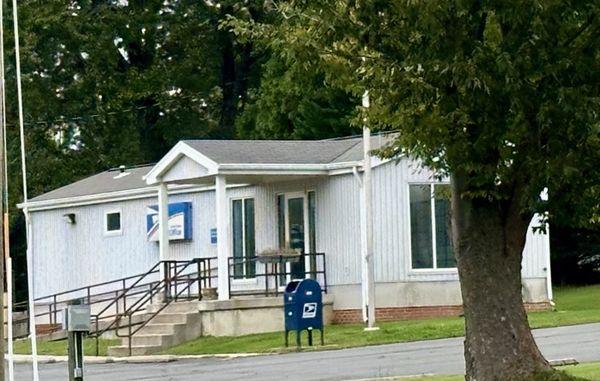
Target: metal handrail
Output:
{"points": [[139, 290], [144, 323], [54, 302], [153, 270], [133, 307], [318, 272], [164, 285]]}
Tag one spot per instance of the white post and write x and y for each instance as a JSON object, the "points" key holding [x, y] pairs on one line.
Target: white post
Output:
{"points": [[222, 213], [364, 252], [163, 221], [163, 232], [36, 374], [368, 267], [30, 285]]}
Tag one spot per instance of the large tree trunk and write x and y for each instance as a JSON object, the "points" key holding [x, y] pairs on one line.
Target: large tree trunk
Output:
{"points": [[489, 237]]}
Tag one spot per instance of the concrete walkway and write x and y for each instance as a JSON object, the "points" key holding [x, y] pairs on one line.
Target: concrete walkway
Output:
{"points": [[425, 357]]}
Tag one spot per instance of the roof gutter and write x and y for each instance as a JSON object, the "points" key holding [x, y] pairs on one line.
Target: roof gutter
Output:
{"points": [[102, 198], [330, 169]]}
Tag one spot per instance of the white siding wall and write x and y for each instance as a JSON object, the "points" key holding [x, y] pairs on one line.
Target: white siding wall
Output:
{"points": [[70, 256], [338, 228]]}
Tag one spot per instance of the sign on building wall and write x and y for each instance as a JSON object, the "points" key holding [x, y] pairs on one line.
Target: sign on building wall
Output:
{"points": [[213, 236], [180, 221]]}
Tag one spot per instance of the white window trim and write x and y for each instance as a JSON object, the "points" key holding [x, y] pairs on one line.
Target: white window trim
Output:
{"points": [[434, 270], [112, 233], [243, 200]]}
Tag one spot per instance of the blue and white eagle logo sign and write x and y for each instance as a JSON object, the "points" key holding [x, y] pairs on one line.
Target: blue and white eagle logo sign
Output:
{"points": [[309, 311]]}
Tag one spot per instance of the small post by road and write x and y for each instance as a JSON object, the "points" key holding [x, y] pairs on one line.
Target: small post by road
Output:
{"points": [[77, 323]]}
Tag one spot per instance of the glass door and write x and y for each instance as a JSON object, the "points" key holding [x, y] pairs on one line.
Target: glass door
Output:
{"points": [[296, 231]]}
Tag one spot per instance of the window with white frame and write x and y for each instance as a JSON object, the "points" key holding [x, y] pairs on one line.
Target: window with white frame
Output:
{"points": [[430, 229], [243, 236], [112, 222]]}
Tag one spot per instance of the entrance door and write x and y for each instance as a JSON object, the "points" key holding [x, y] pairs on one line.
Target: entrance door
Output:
{"points": [[296, 230]]}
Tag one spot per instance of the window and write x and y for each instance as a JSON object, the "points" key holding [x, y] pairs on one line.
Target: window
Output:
{"points": [[112, 223], [243, 238], [430, 229]]}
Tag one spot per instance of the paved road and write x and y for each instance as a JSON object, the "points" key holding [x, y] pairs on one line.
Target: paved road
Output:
{"points": [[436, 356]]}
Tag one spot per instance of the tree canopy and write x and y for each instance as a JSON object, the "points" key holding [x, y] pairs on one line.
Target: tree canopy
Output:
{"points": [[501, 96], [507, 93], [119, 82]]}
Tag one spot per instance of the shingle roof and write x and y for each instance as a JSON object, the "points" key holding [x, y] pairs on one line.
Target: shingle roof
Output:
{"points": [[273, 151], [105, 182], [355, 153], [225, 152]]}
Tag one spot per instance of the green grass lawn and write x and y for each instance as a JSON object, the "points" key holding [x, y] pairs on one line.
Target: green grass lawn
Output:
{"points": [[59, 348], [573, 306], [583, 372]]}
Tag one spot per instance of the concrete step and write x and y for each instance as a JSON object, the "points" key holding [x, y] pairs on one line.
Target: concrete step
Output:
{"points": [[175, 307], [161, 329], [170, 318], [123, 351], [163, 341], [177, 323]]}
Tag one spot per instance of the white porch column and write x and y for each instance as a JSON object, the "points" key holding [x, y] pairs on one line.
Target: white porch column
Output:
{"points": [[222, 213], [163, 219]]}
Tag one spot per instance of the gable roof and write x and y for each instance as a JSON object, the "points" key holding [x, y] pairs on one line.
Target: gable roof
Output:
{"points": [[317, 155], [273, 151]]}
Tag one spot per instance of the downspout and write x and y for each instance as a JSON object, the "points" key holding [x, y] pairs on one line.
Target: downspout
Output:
{"points": [[357, 176], [549, 290]]}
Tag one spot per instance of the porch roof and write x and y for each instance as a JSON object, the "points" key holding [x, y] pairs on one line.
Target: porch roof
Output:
{"points": [[198, 161], [242, 160], [272, 151]]}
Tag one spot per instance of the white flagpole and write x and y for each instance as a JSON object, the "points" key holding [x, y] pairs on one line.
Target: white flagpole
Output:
{"points": [[367, 188], [30, 283], [8, 260]]}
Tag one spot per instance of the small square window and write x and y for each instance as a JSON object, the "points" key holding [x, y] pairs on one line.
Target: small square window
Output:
{"points": [[112, 223]]}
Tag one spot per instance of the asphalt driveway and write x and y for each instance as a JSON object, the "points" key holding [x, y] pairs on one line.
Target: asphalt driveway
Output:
{"points": [[424, 357]]}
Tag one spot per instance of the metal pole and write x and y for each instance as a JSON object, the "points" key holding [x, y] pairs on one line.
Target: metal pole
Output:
{"points": [[75, 356], [9, 292], [2, 243], [9, 277], [368, 268], [2, 302], [30, 283]]}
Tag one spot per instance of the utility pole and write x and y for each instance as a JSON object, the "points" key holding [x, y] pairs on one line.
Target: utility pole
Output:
{"points": [[4, 202], [368, 266], [2, 227]]}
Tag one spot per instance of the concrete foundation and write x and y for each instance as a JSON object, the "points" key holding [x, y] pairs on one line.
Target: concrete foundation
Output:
{"points": [[238, 317], [423, 294]]}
